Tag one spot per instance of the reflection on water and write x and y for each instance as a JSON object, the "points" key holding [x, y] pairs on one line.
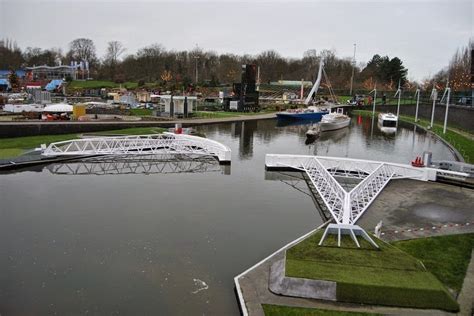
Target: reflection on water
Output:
{"points": [[157, 239], [146, 164]]}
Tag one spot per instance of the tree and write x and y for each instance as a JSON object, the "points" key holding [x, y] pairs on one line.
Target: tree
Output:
{"points": [[386, 71], [10, 55], [14, 80], [166, 76], [114, 50], [83, 49]]}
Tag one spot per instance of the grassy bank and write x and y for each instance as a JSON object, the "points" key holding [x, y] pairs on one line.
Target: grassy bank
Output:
{"points": [[447, 257], [461, 140], [14, 147], [387, 276], [276, 310]]}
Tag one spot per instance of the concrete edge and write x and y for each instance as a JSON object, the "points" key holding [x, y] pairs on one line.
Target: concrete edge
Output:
{"points": [[240, 296], [280, 284]]}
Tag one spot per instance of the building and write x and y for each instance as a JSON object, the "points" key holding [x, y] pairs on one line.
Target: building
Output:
{"points": [[143, 96], [182, 105], [19, 73], [53, 72]]}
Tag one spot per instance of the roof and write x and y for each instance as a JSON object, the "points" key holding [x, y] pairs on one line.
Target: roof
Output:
{"points": [[4, 73], [58, 107], [4, 82]]}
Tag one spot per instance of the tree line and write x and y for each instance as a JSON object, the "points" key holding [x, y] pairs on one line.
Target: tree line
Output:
{"points": [[154, 63]]}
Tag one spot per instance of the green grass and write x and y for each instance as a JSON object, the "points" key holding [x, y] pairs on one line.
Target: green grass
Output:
{"points": [[387, 276], [461, 140], [132, 131], [13, 147], [97, 84], [447, 257], [276, 310], [141, 112], [6, 153]]}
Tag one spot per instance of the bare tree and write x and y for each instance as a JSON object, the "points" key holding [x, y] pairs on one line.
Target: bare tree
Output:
{"points": [[82, 49], [114, 50]]}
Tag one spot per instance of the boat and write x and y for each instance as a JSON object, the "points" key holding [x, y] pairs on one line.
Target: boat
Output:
{"points": [[387, 120], [313, 131], [315, 109], [334, 120], [314, 113]]}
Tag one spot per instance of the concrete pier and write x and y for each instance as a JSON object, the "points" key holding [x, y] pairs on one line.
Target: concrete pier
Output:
{"points": [[405, 206]]}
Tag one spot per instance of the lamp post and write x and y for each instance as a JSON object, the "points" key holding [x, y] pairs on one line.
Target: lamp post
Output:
{"points": [[447, 93], [375, 98], [434, 96], [417, 94], [399, 93]]}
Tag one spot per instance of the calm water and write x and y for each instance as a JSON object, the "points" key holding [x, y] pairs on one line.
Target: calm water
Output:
{"points": [[136, 244]]}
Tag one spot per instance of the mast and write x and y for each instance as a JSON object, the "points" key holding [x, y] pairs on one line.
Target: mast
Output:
{"points": [[316, 83], [353, 67]]}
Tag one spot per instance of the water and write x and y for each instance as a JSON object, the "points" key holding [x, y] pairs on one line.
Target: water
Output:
{"points": [[169, 243]]}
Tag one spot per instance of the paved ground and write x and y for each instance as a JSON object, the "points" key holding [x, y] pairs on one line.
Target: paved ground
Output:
{"points": [[405, 206], [412, 209]]}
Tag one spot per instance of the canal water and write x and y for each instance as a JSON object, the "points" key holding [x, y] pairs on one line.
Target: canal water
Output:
{"points": [[121, 238]]}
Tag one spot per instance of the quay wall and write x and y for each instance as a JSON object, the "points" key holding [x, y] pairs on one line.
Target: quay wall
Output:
{"points": [[458, 116]]}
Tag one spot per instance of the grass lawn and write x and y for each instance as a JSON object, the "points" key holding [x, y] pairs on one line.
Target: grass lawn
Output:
{"points": [[276, 310], [14, 147], [97, 84], [132, 131], [447, 257], [388, 276], [462, 141], [141, 112]]}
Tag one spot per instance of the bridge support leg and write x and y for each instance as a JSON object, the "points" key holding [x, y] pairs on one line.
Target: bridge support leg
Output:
{"points": [[345, 229]]}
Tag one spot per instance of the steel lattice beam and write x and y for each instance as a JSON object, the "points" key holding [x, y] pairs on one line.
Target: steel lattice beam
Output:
{"points": [[347, 207], [166, 143]]}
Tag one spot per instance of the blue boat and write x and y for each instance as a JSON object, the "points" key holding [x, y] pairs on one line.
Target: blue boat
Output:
{"points": [[312, 113]]}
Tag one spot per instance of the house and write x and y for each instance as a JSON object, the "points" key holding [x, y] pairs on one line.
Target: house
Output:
{"points": [[144, 96]]}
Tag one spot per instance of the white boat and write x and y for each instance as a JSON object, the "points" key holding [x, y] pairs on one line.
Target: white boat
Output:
{"points": [[313, 131], [387, 120], [334, 120]]}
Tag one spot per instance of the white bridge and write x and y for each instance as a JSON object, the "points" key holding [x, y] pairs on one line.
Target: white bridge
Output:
{"points": [[166, 143], [347, 207]]}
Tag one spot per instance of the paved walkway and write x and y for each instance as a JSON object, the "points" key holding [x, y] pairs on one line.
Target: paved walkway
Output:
{"points": [[413, 209]]}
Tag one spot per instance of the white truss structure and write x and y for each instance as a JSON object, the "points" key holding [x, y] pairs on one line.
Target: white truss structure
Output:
{"points": [[166, 143], [347, 207], [148, 164]]}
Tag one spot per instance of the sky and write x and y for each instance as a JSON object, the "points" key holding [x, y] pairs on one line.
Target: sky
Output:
{"points": [[423, 34]]}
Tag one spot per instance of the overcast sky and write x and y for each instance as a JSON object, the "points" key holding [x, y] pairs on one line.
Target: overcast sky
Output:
{"points": [[424, 34]]}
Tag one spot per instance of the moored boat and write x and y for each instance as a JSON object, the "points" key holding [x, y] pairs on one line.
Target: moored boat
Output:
{"points": [[387, 120], [334, 120], [311, 113], [313, 131]]}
